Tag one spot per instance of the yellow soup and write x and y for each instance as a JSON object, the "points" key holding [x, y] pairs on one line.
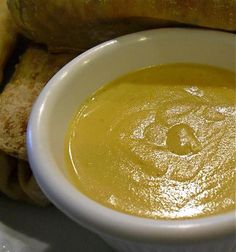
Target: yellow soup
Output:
{"points": [[158, 143]]}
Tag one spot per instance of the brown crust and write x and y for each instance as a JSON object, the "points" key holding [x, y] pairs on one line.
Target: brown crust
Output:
{"points": [[87, 23], [8, 35]]}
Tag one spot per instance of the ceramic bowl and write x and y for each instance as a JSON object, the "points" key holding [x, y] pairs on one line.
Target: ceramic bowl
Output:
{"points": [[62, 96]]}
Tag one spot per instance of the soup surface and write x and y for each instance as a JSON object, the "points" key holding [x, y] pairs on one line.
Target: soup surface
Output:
{"points": [[158, 143]]}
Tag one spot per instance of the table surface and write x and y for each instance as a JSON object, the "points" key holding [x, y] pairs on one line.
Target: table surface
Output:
{"points": [[26, 228]]}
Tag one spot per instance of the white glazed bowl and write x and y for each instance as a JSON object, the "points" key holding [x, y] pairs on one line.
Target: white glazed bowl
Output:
{"points": [[68, 89]]}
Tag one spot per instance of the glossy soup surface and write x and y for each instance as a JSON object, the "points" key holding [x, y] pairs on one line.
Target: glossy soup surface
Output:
{"points": [[158, 143]]}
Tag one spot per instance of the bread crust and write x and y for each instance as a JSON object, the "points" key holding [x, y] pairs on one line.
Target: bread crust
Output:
{"points": [[8, 35], [86, 23]]}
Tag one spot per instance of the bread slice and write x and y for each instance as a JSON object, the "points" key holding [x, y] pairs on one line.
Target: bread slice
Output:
{"points": [[36, 67]]}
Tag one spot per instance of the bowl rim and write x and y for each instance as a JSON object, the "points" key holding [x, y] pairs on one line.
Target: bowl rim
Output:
{"points": [[91, 214]]}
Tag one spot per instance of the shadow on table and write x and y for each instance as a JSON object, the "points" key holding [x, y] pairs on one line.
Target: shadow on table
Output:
{"points": [[50, 227]]}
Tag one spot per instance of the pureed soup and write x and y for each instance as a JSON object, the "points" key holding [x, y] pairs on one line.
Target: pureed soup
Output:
{"points": [[158, 143]]}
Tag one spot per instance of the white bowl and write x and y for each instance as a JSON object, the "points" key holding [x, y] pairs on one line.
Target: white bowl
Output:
{"points": [[68, 89]]}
